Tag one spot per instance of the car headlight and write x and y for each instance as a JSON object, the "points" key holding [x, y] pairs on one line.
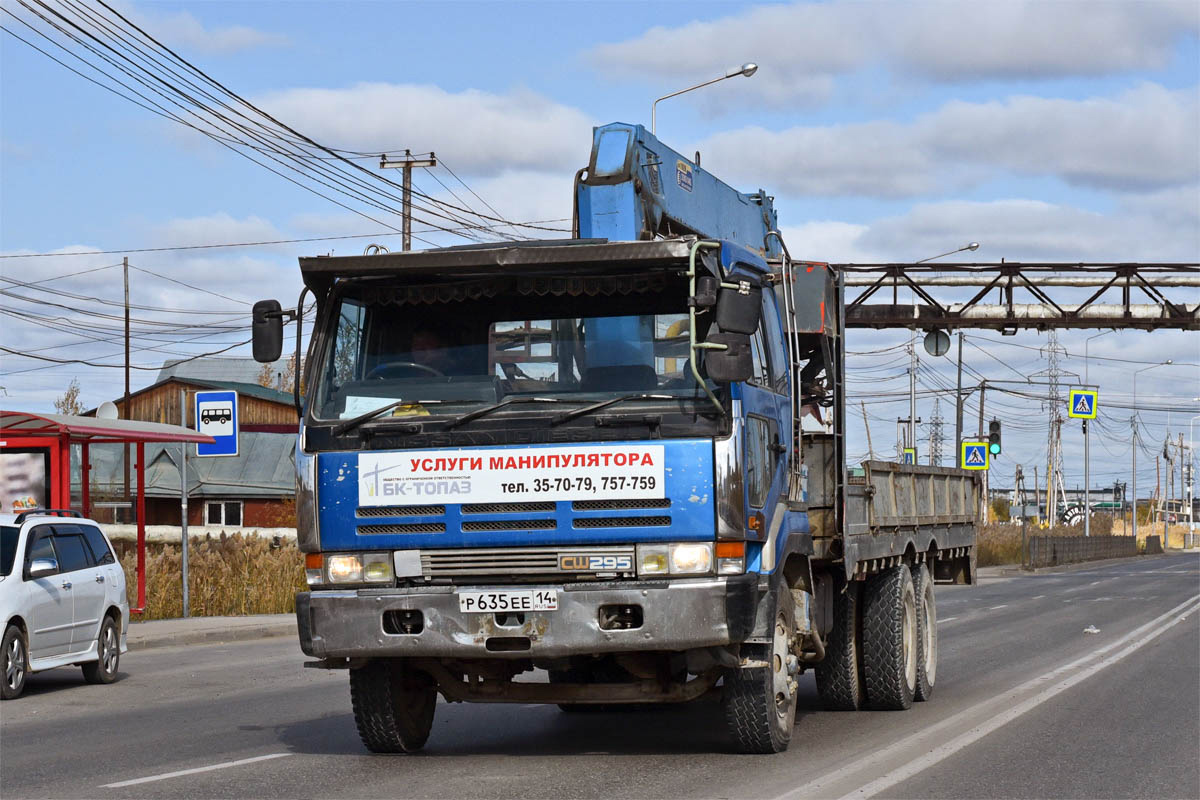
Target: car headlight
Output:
{"points": [[344, 568], [691, 558]]}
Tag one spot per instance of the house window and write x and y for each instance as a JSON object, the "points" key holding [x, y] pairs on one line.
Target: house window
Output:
{"points": [[224, 512]]}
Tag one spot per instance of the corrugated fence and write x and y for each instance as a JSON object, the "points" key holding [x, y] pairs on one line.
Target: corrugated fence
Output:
{"points": [[1050, 551]]}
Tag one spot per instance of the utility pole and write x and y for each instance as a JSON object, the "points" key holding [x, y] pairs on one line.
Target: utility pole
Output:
{"points": [[958, 406], [407, 163], [912, 394], [987, 500], [1133, 506], [125, 267], [867, 425], [183, 498]]}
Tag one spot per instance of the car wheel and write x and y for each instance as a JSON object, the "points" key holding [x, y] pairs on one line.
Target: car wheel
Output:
{"points": [[15, 663], [108, 650]]}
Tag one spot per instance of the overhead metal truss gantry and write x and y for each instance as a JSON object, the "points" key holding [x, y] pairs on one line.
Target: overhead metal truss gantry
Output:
{"points": [[933, 286]]}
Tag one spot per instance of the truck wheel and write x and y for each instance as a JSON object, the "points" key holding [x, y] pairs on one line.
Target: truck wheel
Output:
{"points": [[760, 703], [393, 706], [927, 646], [839, 674], [890, 639]]}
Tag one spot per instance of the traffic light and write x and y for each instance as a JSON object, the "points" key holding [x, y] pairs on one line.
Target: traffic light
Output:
{"points": [[994, 437]]}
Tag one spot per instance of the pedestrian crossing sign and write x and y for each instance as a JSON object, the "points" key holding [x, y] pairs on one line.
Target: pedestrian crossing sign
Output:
{"points": [[975, 455], [1082, 403], [910, 455]]}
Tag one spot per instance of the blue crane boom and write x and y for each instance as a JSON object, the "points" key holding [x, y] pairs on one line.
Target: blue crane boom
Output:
{"points": [[636, 188]]}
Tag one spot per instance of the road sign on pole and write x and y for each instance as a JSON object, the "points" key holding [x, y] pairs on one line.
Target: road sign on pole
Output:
{"points": [[974, 455], [910, 455], [1081, 403], [217, 415]]}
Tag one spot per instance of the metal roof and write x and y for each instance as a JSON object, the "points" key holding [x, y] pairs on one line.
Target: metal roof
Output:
{"points": [[263, 468], [94, 429], [238, 370]]}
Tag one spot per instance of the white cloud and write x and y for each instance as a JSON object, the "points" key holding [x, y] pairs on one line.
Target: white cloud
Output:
{"points": [[181, 30], [477, 132], [213, 228], [1141, 139], [803, 48]]}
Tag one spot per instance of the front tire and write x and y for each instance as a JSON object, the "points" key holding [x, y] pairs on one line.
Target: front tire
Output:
{"points": [[927, 650], [15, 663], [760, 703], [890, 639], [393, 706], [108, 652]]}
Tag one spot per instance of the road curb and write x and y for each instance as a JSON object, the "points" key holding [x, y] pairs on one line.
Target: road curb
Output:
{"points": [[1014, 570], [146, 640]]}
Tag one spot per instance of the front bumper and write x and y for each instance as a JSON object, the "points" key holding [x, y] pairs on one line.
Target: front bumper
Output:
{"points": [[676, 615]]}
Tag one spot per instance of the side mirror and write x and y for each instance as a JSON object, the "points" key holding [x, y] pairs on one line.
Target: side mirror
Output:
{"points": [[266, 331], [41, 567], [732, 364], [738, 310], [706, 291]]}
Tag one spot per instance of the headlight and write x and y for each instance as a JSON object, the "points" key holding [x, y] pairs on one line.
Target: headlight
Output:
{"points": [[377, 567], [344, 568], [691, 558], [652, 559]]}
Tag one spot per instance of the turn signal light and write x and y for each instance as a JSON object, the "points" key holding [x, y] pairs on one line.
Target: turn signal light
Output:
{"points": [[313, 565], [731, 549]]}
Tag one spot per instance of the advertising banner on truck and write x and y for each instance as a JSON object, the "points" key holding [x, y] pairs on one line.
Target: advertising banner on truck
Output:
{"points": [[511, 475]]}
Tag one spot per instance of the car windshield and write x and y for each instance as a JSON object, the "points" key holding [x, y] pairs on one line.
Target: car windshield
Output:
{"points": [[8, 547], [454, 357]]}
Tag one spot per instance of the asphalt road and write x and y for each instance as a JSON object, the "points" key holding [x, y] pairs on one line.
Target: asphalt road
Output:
{"points": [[1027, 705]]}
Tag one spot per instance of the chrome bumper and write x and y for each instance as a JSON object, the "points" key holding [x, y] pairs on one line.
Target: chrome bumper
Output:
{"points": [[676, 615]]}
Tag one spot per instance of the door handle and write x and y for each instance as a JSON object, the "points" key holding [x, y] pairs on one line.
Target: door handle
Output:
{"points": [[99, 579], [66, 584]]}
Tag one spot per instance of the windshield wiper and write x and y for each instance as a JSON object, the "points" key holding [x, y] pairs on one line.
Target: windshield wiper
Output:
{"points": [[350, 424], [508, 401], [565, 416]]}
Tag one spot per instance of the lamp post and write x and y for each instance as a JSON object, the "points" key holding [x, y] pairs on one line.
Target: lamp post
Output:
{"points": [[970, 246], [1085, 350], [1134, 422], [746, 69]]}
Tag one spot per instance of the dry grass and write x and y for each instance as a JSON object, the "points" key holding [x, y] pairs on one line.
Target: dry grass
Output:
{"points": [[231, 575], [1000, 543]]}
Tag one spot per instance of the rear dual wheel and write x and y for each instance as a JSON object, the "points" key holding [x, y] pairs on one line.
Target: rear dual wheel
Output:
{"points": [[890, 639], [927, 654]]}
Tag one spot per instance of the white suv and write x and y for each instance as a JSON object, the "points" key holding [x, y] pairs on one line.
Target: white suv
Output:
{"points": [[62, 598]]}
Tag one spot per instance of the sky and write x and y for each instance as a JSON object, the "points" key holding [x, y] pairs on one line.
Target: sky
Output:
{"points": [[1048, 131]]}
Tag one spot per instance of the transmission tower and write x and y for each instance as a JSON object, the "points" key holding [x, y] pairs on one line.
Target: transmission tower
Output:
{"points": [[935, 434], [1052, 352]]}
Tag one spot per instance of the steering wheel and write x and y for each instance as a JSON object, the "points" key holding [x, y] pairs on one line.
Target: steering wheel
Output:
{"points": [[379, 369]]}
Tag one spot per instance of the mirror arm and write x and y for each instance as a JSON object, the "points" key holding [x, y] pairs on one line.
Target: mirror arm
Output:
{"points": [[298, 316], [694, 346]]}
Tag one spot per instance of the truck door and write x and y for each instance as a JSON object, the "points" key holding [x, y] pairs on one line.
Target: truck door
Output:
{"points": [[767, 423]]}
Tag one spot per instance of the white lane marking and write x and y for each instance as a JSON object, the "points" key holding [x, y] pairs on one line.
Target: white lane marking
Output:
{"points": [[947, 619], [1000, 710], [1003, 605], [1039, 597], [193, 771]]}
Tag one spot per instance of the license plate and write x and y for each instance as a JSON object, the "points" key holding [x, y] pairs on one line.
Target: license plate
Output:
{"points": [[508, 601]]}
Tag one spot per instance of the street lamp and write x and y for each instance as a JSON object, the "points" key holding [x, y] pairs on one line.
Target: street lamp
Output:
{"points": [[971, 246], [1192, 477], [747, 69], [1134, 422], [1085, 351]]}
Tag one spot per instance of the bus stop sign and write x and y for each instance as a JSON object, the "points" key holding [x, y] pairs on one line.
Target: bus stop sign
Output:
{"points": [[217, 416]]}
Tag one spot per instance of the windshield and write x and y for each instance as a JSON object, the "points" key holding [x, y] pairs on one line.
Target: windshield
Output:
{"points": [[450, 358], [8, 547]]}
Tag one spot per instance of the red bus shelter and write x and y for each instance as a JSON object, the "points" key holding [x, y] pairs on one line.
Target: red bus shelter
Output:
{"points": [[55, 433]]}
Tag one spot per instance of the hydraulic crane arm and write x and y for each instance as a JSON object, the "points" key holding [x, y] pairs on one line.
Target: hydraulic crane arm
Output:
{"points": [[636, 188]]}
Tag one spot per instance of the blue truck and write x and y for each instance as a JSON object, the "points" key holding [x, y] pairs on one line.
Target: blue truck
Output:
{"points": [[618, 460]]}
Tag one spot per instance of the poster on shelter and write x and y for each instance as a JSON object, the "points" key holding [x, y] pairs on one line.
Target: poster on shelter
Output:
{"points": [[24, 480]]}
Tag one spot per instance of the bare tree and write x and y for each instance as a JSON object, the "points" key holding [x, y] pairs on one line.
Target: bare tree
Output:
{"points": [[69, 402]]}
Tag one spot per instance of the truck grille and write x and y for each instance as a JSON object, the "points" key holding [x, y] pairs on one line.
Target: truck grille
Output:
{"points": [[506, 562], [401, 511], [471, 517]]}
